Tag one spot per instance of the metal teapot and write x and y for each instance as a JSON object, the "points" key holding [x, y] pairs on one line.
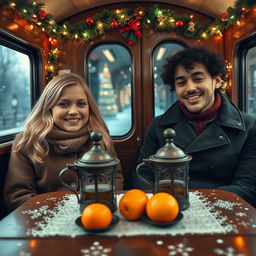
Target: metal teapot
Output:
{"points": [[96, 175], [170, 166]]}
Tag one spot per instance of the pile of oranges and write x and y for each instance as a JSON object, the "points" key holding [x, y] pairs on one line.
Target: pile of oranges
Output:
{"points": [[161, 207]]}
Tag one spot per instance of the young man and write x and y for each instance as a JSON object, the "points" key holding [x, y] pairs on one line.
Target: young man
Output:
{"points": [[209, 127]]}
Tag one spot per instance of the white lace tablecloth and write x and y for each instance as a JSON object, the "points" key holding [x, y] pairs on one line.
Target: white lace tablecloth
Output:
{"points": [[202, 217]]}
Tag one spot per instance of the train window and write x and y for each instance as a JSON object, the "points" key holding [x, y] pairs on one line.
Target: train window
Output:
{"points": [[163, 97], [246, 52], [15, 86], [251, 81], [110, 81]]}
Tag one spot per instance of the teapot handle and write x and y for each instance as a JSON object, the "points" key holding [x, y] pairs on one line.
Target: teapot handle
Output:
{"points": [[71, 168], [145, 163]]}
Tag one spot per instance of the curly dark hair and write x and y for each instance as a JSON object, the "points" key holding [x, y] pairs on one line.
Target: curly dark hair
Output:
{"points": [[213, 62]]}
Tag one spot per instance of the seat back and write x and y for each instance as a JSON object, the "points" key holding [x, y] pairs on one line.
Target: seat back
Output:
{"points": [[4, 160]]}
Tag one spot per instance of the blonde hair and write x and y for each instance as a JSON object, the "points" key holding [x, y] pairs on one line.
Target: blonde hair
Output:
{"points": [[40, 121]]}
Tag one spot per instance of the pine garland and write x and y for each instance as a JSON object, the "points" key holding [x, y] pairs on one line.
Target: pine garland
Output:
{"points": [[128, 22], [157, 18]]}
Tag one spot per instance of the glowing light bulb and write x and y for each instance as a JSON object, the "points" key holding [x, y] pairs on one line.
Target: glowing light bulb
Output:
{"points": [[171, 20], [204, 35], [51, 68], [85, 34], [99, 25]]}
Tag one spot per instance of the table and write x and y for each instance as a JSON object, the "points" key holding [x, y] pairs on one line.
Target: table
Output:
{"points": [[238, 240]]}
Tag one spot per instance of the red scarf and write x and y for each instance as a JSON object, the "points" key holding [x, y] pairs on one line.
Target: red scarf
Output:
{"points": [[202, 118]]}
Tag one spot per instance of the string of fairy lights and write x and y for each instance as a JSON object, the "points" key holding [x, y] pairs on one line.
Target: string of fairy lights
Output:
{"points": [[129, 22]]}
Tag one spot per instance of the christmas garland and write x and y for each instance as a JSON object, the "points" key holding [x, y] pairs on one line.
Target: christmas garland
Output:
{"points": [[128, 22]]}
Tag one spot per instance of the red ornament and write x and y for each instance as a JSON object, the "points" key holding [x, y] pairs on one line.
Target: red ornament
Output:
{"points": [[42, 14], [131, 42], [134, 24], [179, 23], [34, 20], [114, 23], [224, 16], [89, 21], [138, 33], [244, 11], [54, 42]]}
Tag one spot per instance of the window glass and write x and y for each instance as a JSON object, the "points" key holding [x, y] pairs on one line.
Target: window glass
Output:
{"points": [[110, 81], [15, 100], [163, 97], [251, 81]]}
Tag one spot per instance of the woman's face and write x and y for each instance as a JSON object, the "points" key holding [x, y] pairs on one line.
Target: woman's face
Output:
{"points": [[71, 111]]}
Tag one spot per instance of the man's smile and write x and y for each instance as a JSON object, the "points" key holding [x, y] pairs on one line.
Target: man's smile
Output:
{"points": [[192, 97]]}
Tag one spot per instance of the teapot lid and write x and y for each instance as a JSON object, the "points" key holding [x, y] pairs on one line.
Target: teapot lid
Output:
{"points": [[170, 151], [97, 154]]}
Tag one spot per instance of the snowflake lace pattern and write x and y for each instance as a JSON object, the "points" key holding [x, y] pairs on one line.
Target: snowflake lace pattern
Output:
{"points": [[202, 217]]}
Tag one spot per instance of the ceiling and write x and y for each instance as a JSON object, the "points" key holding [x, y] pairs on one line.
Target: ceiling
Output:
{"points": [[62, 9]]}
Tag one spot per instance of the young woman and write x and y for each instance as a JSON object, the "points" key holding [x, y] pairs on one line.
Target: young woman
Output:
{"points": [[55, 133]]}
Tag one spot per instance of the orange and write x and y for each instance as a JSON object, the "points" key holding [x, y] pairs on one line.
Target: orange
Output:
{"points": [[96, 216], [162, 207], [132, 205]]}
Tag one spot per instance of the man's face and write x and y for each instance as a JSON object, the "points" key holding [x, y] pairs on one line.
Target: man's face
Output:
{"points": [[195, 87]]}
